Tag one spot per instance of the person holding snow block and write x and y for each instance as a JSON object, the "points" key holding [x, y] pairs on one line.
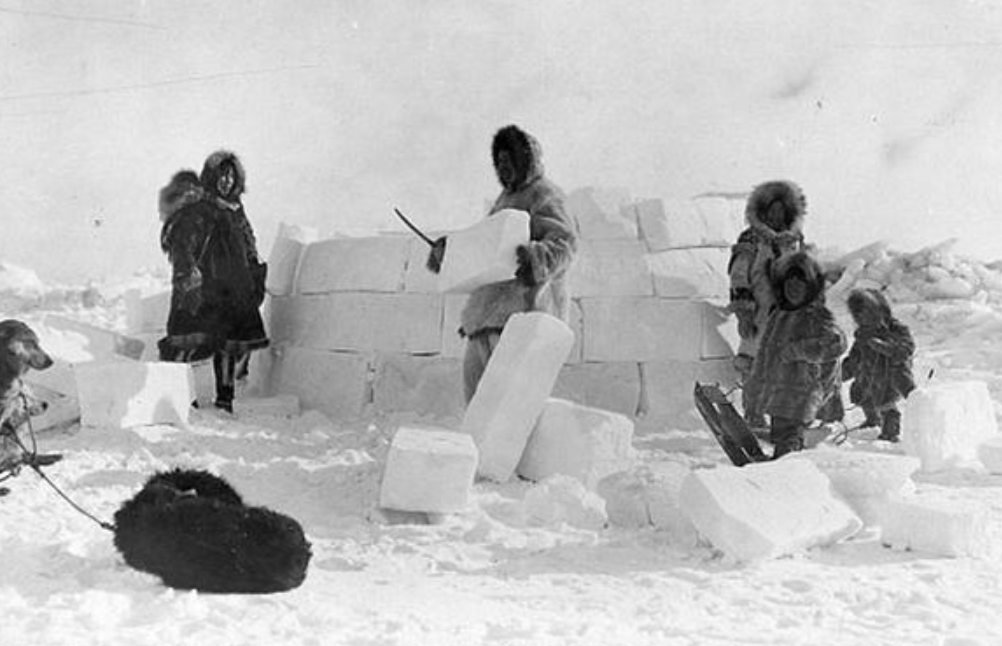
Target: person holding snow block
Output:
{"points": [[796, 371], [540, 283], [880, 362], [218, 278], [775, 214]]}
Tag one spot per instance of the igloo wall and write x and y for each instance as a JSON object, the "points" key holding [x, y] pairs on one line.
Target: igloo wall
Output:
{"points": [[358, 325]]}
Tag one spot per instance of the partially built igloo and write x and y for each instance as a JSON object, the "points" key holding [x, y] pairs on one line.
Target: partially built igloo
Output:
{"points": [[358, 325]]}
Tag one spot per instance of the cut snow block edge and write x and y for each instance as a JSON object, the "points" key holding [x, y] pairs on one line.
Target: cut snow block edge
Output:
{"points": [[123, 393], [943, 424], [428, 470], [483, 253], [955, 522], [513, 390], [766, 510]]}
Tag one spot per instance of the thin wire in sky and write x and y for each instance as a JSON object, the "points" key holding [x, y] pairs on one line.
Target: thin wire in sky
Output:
{"points": [[62, 16]]}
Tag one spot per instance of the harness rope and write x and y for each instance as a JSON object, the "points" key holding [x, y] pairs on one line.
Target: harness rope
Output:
{"points": [[32, 462]]}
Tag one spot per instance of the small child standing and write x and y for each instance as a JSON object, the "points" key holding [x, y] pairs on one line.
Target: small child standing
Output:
{"points": [[880, 362], [796, 372]]}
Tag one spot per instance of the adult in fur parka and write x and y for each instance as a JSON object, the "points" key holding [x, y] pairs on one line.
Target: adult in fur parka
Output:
{"points": [[774, 213], [880, 362], [797, 369], [540, 282], [218, 277]]}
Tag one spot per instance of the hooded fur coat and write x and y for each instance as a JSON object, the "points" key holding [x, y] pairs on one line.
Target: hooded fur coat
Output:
{"points": [[797, 368], [553, 234], [880, 361], [217, 275]]}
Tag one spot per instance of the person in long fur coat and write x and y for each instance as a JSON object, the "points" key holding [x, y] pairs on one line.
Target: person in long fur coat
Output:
{"points": [[217, 275], [540, 283], [880, 362], [797, 371]]}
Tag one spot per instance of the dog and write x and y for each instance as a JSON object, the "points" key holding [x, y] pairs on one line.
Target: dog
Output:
{"points": [[20, 351], [190, 528]]}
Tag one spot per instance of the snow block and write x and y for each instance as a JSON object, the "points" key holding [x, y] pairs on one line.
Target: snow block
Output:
{"points": [[648, 496], [374, 264], [62, 410], [613, 386], [681, 223], [203, 380], [123, 393], [641, 329], [946, 522], [283, 261], [603, 213], [578, 441], [514, 389], [610, 268], [423, 385], [564, 500], [990, 454], [146, 313], [864, 479], [766, 510], [282, 406], [355, 321], [943, 423], [453, 345], [483, 253], [720, 338], [335, 383], [690, 273], [428, 470]]}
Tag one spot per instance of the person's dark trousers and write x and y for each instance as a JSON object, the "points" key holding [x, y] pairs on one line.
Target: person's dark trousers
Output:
{"points": [[224, 367], [786, 435], [890, 425]]}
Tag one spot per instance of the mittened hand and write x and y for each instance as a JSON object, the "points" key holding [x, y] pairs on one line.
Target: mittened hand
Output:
{"points": [[524, 273], [436, 255]]}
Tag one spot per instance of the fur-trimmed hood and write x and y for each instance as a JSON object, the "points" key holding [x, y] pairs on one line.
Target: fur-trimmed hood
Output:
{"points": [[775, 207], [870, 300], [211, 171], [525, 151], [806, 267]]}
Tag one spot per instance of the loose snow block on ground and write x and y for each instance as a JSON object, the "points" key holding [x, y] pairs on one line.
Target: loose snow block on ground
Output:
{"points": [[578, 441], [563, 499], [203, 380], [483, 253], [943, 423], [146, 313], [641, 329], [603, 213], [990, 454], [428, 470], [648, 496], [766, 510], [947, 522], [286, 406], [690, 273], [423, 385], [613, 386], [335, 383], [514, 389], [864, 479], [283, 261], [610, 268], [123, 393], [373, 264], [356, 321]]}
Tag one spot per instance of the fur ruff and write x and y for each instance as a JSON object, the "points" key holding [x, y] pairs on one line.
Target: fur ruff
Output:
{"points": [[783, 196], [194, 531]]}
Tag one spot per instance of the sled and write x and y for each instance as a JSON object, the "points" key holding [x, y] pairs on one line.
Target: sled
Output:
{"points": [[727, 426]]}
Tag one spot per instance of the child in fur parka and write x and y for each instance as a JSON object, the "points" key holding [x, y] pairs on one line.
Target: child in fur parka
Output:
{"points": [[796, 371], [879, 363]]}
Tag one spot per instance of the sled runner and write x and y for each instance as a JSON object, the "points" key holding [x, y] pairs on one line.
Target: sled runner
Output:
{"points": [[727, 426]]}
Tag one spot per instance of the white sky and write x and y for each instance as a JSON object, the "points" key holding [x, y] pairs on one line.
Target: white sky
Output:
{"points": [[886, 111]]}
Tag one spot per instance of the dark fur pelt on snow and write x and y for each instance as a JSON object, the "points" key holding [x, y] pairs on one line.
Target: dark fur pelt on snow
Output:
{"points": [[194, 531]]}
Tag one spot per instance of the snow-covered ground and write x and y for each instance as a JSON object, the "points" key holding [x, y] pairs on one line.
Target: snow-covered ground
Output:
{"points": [[501, 573]]}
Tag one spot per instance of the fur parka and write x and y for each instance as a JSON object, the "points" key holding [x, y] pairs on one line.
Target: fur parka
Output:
{"points": [[217, 275], [553, 234], [797, 368], [880, 361]]}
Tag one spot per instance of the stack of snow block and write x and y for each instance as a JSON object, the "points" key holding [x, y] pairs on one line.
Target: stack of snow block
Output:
{"points": [[766, 510], [578, 441], [123, 393], [943, 424], [946, 522], [648, 496], [428, 470], [648, 311], [513, 390], [483, 253], [865, 480]]}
